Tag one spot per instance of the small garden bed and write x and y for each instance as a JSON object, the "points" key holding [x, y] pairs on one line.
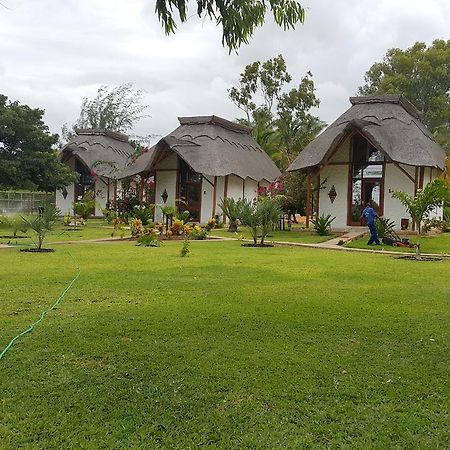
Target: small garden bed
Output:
{"points": [[37, 250], [257, 245]]}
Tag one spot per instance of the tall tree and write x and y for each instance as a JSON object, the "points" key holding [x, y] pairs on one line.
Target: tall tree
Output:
{"points": [[422, 75], [238, 18], [28, 159], [116, 108], [280, 118]]}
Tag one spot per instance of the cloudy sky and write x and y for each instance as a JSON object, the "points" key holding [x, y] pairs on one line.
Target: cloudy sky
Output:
{"points": [[54, 53]]}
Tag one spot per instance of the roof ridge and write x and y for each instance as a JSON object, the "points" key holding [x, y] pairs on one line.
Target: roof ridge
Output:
{"points": [[398, 99], [214, 120]]}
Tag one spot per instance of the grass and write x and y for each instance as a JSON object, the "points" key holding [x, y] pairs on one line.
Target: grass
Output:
{"points": [[228, 348], [438, 243], [295, 235], [94, 229]]}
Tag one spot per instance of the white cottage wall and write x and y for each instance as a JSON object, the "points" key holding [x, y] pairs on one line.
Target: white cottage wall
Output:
{"points": [[101, 195], [220, 193], [250, 189], [165, 179], [65, 205], [396, 180], [342, 154], [235, 187], [207, 198], [337, 176]]}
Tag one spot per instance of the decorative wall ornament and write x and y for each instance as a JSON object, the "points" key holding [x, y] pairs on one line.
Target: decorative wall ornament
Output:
{"points": [[332, 194], [165, 195], [64, 193]]}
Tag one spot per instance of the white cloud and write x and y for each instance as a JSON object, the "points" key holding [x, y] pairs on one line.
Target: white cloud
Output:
{"points": [[54, 53]]}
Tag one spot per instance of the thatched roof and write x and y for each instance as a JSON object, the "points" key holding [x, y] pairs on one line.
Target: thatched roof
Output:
{"points": [[390, 122], [104, 151], [212, 146]]}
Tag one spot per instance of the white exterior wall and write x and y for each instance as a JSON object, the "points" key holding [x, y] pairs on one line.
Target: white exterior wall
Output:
{"points": [[338, 176], [207, 198], [101, 195], [396, 180], [250, 189], [235, 187], [165, 179], [66, 204]]}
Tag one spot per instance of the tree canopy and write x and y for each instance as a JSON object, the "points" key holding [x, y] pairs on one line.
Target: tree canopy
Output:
{"points": [[28, 159], [238, 18], [422, 75], [279, 117], [116, 108]]}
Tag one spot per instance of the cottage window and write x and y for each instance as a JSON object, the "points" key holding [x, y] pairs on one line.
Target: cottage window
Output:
{"points": [[367, 178]]}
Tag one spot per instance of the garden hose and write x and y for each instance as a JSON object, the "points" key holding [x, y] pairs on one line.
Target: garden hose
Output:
{"points": [[44, 313]]}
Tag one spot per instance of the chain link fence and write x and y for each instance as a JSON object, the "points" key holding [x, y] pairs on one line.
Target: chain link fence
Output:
{"points": [[12, 202]]}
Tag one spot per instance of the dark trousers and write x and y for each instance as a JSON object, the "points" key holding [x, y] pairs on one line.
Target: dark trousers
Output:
{"points": [[373, 234]]}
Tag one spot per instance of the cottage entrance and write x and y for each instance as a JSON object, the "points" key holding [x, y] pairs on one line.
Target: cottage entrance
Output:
{"points": [[190, 189], [367, 179]]}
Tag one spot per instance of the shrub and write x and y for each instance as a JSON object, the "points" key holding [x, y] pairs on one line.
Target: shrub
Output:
{"points": [[144, 213], [198, 233], [43, 222], [323, 224], [384, 226], [149, 240], [185, 249], [183, 216], [16, 223], [232, 209], [137, 228], [85, 207]]}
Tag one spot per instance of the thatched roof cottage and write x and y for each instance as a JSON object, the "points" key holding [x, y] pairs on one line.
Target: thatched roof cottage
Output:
{"points": [[376, 147]]}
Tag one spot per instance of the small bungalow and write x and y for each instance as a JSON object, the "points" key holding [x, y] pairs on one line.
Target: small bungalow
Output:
{"points": [[204, 160], [99, 156], [376, 147]]}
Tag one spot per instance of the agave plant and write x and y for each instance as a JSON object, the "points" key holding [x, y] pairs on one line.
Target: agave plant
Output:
{"points": [[322, 224], [232, 209]]}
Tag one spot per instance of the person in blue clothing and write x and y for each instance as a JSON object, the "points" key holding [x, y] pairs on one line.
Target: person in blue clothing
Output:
{"points": [[370, 215]]}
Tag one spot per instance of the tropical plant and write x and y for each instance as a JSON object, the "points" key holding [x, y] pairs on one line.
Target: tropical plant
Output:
{"points": [[184, 216], [149, 240], [198, 233], [185, 249], [384, 226], [232, 209], [422, 204], [322, 224], [85, 207], [43, 222], [137, 228], [144, 213]]}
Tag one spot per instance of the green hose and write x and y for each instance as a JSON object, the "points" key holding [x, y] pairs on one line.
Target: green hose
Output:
{"points": [[44, 313]]}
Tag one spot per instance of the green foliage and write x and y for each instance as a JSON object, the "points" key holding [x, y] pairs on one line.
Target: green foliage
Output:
{"points": [[238, 19], [323, 224], [260, 216], [15, 223], [43, 222], [27, 156], [185, 248], [116, 108], [85, 207], [198, 233], [184, 216], [168, 210], [420, 206], [422, 75], [384, 226], [149, 240], [144, 213], [232, 210], [281, 124]]}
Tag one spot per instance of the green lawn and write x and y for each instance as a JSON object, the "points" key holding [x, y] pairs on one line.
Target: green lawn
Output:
{"points": [[94, 229], [438, 243], [228, 348], [295, 235]]}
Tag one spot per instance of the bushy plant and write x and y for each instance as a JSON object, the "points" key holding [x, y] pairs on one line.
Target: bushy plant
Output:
{"points": [[384, 226], [322, 224], [85, 207], [260, 216], [212, 223], [184, 216], [149, 240], [177, 227], [144, 213], [185, 249], [43, 222], [137, 228], [420, 206], [124, 206], [67, 219], [232, 209], [198, 233]]}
